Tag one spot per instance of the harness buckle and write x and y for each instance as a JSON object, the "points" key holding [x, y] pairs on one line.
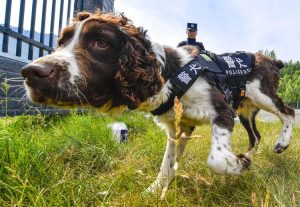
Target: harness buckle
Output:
{"points": [[242, 92]]}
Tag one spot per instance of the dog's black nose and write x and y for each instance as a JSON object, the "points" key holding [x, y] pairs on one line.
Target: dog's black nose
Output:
{"points": [[38, 75], [36, 71]]}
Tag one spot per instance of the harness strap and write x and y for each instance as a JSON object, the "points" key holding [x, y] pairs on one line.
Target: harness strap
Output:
{"points": [[181, 81], [233, 88], [169, 103]]}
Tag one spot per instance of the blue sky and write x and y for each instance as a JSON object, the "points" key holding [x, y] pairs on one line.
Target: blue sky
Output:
{"points": [[223, 25]]}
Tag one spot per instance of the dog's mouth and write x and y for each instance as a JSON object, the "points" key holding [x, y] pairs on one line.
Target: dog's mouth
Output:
{"points": [[62, 96], [69, 96]]}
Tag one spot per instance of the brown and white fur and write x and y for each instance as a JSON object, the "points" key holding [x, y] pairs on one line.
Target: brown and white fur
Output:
{"points": [[104, 61]]}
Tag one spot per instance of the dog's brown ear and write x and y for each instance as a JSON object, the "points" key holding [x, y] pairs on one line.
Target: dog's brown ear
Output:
{"points": [[138, 77]]}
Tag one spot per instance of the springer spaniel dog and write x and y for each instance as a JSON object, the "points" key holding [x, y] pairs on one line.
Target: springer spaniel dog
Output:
{"points": [[104, 61]]}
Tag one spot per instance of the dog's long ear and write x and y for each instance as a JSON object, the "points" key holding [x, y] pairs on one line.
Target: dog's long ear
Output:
{"points": [[138, 77]]}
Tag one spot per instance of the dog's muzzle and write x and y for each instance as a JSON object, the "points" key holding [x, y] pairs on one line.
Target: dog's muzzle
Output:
{"points": [[37, 75]]}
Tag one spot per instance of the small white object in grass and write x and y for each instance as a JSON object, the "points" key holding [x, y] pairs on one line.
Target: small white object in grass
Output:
{"points": [[119, 131]]}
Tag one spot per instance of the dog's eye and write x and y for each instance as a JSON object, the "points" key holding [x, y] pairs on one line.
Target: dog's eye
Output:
{"points": [[99, 44]]}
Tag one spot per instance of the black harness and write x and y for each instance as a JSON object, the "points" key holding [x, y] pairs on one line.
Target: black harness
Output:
{"points": [[228, 72]]}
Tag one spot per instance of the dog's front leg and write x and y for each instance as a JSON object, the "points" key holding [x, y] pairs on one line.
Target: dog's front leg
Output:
{"points": [[173, 152], [221, 159], [167, 170]]}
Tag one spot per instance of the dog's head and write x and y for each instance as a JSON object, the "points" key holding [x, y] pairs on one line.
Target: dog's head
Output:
{"points": [[101, 60]]}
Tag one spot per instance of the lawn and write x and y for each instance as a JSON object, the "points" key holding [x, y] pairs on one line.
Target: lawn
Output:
{"points": [[72, 160]]}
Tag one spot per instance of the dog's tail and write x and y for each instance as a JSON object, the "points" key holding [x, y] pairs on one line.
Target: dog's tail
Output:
{"points": [[278, 63]]}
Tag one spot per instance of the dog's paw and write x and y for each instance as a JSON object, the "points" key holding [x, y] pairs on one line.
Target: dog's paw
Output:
{"points": [[251, 150], [153, 187], [228, 163], [157, 186], [253, 147], [245, 161], [279, 148], [237, 166]]}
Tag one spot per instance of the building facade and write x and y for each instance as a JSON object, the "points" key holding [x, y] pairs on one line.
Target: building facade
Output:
{"points": [[93, 5]]}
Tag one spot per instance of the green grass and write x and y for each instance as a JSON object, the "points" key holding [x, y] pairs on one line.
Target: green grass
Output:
{"points": [[73, 161]]}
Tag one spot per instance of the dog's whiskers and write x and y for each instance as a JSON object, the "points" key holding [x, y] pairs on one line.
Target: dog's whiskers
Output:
{"points": [[78, 91], [25, 101], [14, 80], [19, 88]]}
